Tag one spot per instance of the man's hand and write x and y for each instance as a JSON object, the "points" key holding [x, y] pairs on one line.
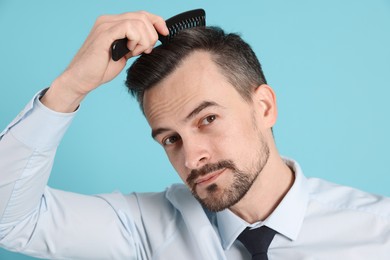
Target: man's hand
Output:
{"points": [[92, 66]]}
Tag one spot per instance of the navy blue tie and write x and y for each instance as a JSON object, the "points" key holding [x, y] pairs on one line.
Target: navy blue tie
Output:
{"points": [[257, 241]]}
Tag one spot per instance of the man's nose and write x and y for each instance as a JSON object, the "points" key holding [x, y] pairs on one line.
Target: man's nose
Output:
{"points": [[196, 153]]}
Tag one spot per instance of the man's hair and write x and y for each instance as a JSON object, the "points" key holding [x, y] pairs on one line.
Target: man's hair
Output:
{"points": [[235, 58]]}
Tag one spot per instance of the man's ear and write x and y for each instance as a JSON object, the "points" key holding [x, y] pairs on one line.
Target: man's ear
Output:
{"points": [[265, 101]]}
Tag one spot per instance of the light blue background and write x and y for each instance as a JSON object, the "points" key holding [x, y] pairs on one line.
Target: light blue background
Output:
{"points": [[328, 61]]}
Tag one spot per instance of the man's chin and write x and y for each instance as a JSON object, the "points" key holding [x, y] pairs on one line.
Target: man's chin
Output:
{"points": [[213, 201]]}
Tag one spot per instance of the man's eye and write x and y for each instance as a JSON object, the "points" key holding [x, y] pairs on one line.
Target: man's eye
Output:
{"points": [[171, 140], [209, 119]]}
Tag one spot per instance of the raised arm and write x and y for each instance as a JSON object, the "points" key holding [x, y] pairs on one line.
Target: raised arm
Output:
{"points": [[34, 218]]}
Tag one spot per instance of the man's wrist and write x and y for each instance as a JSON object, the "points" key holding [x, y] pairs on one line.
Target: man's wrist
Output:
{"points": [[61, 98]]}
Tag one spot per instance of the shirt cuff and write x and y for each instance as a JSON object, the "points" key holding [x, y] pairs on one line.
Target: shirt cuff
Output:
{"points": [[39, 127]]}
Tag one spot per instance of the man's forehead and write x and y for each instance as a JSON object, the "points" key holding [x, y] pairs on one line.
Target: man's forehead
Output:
{"points": [[194, 77]]}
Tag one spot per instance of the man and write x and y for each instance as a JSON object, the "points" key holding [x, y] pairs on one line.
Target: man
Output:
{"points": [[208, 104]]}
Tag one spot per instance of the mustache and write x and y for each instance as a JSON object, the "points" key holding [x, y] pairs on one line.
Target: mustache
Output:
{"points": [[208, 168]]}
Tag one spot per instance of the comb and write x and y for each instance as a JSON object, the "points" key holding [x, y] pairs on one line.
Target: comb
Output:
{"points": [[175, 24]]}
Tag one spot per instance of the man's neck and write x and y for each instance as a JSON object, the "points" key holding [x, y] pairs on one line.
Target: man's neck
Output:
{"points": [[268, 190]]}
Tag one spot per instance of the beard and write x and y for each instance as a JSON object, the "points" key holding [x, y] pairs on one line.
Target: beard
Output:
{"points": [[219, 198]]}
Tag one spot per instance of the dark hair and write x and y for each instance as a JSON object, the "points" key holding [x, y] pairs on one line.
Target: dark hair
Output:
{"points": [[235, 58]]}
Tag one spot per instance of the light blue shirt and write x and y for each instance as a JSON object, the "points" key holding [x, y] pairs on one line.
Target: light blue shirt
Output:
{"points": [[315, 220]]}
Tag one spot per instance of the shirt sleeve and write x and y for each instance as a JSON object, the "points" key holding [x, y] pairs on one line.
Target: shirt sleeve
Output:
{"points": [[41, 221]]}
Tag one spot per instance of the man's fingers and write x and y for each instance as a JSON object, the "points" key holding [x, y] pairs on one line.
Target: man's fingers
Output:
{"points": [[139, 28], [158, 22], [139, 49], [142, 36]]}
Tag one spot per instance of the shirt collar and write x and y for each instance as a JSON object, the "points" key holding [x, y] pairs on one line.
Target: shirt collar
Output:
{"points": [[286, 219]]}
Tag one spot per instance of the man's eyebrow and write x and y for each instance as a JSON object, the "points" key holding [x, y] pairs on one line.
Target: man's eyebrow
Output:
{"points": [[158, 131], [192, 114], [198, 109]]}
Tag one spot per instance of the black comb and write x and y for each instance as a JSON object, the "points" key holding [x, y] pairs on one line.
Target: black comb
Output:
{"points": [[175, 24]]}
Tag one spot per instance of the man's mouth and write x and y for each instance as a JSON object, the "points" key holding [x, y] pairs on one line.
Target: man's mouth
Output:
{"points": [[209, 178]]}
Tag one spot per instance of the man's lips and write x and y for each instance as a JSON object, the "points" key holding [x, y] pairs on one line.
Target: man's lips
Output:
{"points": [[208, 178]]}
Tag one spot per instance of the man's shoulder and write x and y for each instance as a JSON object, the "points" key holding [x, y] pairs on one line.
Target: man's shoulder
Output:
{"points": [[344, 198]]}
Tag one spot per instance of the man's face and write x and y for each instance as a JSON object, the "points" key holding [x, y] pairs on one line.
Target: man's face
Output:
{"points": [[212, 136]]}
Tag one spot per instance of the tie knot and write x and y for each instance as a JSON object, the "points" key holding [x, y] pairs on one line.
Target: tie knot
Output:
{"points": [[257, 241]]}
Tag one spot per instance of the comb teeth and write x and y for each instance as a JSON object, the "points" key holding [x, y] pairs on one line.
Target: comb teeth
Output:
{"points": [[189, 23], [190, 19], [175, 24]]}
